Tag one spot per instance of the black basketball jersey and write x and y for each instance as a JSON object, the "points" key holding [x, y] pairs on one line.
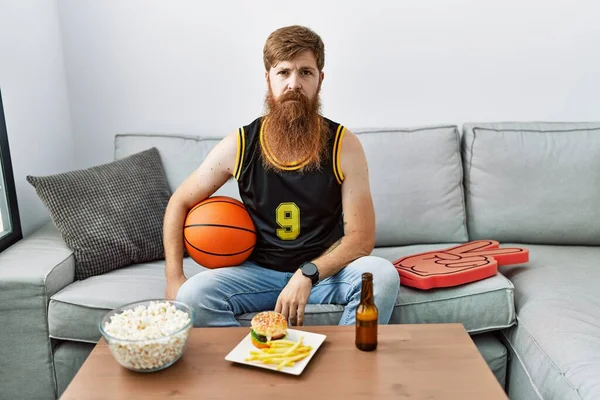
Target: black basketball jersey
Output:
{"points": [[297, 214]]}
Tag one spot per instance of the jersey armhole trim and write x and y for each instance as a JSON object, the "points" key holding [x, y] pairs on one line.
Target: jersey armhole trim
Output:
{"points": [[241, 150], [337, 165]]}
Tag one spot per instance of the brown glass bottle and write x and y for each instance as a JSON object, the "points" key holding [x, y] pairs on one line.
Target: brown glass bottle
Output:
{"points": [[366, 316]]}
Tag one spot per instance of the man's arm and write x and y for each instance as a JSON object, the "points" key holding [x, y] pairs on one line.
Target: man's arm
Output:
{"points": [[359, 231], [214, 171], [359, 213]]}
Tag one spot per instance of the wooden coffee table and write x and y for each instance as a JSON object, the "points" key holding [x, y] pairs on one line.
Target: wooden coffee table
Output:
{"points": [[423, 361]]}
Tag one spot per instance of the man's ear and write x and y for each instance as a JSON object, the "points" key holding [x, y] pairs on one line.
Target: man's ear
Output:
{"points": [[322, 76]]}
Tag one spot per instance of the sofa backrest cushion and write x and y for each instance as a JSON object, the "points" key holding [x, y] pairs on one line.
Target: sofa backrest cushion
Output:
{"points": [[415, 175], [181, 155], [416, 182], [533, 182]]}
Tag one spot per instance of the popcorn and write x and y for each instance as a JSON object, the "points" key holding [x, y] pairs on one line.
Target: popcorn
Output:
{"points": [[142, 336]]}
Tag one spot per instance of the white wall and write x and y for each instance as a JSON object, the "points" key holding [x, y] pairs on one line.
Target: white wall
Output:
{"points": [[34, 93], [196, 67]]}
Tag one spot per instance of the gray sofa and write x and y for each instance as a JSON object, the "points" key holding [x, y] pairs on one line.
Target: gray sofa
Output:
{"points": [[534, 185]]}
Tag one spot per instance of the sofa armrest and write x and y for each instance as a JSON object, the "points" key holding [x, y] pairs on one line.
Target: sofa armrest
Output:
{"points": [[31, 271]]}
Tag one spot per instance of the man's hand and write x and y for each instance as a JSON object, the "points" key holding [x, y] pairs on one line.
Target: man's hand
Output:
{"points": [[293, 298], [173, 285]]}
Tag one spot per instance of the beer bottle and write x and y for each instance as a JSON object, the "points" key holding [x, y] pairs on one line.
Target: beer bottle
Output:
{"points": [[366, 316]]}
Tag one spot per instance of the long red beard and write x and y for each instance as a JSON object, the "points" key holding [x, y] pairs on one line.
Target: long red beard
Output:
{"points": [[295, 131]]}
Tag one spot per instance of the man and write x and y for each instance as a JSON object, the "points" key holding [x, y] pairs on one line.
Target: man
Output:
{"points": [[304, 180]]}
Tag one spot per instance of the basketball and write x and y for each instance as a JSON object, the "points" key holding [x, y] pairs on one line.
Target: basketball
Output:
{"points": [[218, 232]]}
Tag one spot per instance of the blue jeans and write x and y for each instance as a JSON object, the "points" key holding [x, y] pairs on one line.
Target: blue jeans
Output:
{"points": [[218, 295]]}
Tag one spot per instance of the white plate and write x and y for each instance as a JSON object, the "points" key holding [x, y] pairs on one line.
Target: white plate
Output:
{"points": [[242, 351]]}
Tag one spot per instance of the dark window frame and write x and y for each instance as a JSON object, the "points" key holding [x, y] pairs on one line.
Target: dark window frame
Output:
{"points": [[8, 186]]}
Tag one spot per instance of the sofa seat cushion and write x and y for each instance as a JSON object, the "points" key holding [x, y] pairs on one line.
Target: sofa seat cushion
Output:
{"points": [[481, 306], [557, 335], [76, 311], [494, 353]]}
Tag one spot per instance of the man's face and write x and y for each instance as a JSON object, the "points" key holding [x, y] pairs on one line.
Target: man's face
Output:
{"points": [[299, 74], [295, 132]]}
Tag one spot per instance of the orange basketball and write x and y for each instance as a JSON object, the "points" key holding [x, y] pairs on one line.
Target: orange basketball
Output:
{"points": [[218, 232]]}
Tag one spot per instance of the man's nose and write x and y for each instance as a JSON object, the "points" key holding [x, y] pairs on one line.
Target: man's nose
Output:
{"points": [[294, 82]]}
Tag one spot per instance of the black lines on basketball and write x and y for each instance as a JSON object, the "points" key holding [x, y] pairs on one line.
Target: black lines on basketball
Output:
{"points": [[218, 232]]}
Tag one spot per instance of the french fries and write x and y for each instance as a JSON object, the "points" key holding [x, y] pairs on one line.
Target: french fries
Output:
{"points": [[284, 353]]}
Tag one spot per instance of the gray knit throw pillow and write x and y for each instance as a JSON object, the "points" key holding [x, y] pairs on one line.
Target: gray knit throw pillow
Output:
{"points": [[110, 215]]}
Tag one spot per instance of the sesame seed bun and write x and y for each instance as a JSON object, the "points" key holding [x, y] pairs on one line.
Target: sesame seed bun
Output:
{"points": [[270, 324]]}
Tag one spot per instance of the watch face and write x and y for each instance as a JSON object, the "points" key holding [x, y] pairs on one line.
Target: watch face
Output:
{"points": [[309, 269]]}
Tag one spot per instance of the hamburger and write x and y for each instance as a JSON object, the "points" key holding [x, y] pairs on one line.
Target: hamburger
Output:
{"points": [[267, 326]]}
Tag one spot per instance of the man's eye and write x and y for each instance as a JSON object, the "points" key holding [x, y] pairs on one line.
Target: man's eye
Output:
{"points": [[282, 73], [307, 72]]}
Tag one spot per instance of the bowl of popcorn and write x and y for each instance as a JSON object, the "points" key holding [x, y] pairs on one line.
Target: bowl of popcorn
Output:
{"points": [[148, 336]]}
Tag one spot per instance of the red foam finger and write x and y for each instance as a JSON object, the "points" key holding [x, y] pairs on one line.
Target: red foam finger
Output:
{"points": [[478, 260], [468, 259], [442, 255], [469, 264], [507, 255], [470, 247]]}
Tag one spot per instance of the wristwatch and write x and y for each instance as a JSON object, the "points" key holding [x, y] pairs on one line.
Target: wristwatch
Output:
{"points": [[311, 271]]}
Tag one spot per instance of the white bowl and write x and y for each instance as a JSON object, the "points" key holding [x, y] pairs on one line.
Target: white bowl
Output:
{"points": [[160, 348]]}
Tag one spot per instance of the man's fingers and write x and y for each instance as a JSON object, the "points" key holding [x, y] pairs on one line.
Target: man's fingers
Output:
{"points": [[293, 310], [293, 313], [300, 315], [278, 306], [285, 310]]}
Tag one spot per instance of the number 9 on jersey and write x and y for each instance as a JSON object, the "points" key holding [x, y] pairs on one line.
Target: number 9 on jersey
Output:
{"points": [[288, 218]]}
